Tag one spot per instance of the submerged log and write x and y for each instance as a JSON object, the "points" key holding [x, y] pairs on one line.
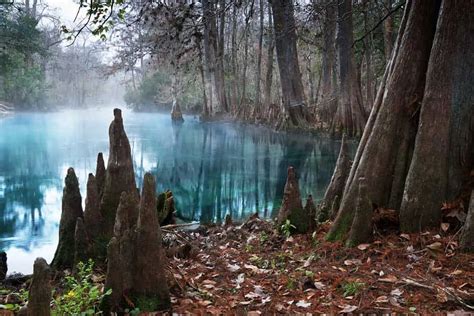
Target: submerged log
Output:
{"points": [[39, 296], [71, 211], [467, 237], [120, 176]]}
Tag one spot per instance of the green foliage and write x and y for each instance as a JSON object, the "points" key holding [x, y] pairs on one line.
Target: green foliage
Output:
{"points": [[148, 90], [81, 296], [291, 284], [22, 46], [352, 288], [263, 237], [287, 228]]}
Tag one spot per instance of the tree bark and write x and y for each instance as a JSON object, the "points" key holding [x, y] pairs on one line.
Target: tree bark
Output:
{"points": [[335, 188], [361, 230], [384, 153], [220, 83], [267, 94], [290, 76], [388, 32], [209, 44], [259, 56], [350, 115], [440, 168], [467, 237], [328, 65]]}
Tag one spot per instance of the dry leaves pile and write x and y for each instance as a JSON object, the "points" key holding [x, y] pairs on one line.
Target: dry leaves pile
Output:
{"points": [[251, 269]]}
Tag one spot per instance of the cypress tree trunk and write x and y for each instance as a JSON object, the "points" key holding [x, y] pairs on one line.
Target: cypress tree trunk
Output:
{"points": [[328, 65], [290, 76], [383, 154], [439, 168], [350, 115], [267, 90], [427, 96], [209, 45]]}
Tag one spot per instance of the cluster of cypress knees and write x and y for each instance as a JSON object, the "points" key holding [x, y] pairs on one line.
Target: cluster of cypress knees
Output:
{"points": [[119, 229]]}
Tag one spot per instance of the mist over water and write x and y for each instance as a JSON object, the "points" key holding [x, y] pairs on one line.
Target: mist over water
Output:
{"points": [[213, 169]]}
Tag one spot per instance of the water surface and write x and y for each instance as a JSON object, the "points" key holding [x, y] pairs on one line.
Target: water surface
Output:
{"points": [[212, 168]]}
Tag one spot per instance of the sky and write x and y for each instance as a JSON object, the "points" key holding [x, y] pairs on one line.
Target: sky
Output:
{"points": [[66, 9]]}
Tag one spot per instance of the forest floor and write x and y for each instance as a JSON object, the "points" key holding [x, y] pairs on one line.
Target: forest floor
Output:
{"points": [[250, 269]]}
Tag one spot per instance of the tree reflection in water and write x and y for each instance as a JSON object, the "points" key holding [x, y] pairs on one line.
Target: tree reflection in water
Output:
{"points": [[213, 169]]}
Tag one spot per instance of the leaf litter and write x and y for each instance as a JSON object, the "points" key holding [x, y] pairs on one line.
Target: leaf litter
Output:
{"points": [[251, 269]]}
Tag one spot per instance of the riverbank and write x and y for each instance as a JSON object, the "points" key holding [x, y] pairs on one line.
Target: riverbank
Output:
{"points": [[253, 269]]}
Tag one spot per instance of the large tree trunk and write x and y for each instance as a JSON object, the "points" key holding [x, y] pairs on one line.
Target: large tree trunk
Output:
{"points": [[383, 154], [443, 154], [210, 46], [235, 74], [220, 79], [388, 32], [328, 76], [267, 94], [433, 77], [287, 55], [259, 56], [350, 115]]}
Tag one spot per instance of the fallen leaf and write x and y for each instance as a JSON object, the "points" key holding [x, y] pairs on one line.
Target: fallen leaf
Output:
{"points": [[456, 272], [233, 267], [435, 246], [405, 236], [352, 262], [303, 304], [393, 300], [396, 292], [319, 285], [279, 307], [445, 227], [347, 308], [381, 299], [363, 246], [389, 279], [240, 279], [441, 297]]}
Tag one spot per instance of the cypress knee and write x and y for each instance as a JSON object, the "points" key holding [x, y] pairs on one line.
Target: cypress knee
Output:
{"points": [[81, 242], [291, 208], [120, 176], [71, 211], [39, 296], [150, 287], [100, 174]]}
